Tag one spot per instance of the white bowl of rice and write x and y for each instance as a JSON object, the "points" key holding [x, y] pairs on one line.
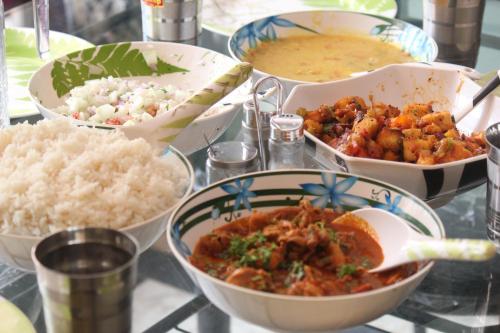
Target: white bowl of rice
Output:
{"points": [[54, 175], [134, 86]]}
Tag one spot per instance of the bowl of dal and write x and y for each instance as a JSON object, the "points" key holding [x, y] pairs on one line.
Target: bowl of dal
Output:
{"points": [[323, 46]]}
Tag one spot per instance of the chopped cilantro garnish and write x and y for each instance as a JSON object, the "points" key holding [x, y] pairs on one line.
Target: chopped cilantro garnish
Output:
{"points": [[239, 246], [297, 270], [346, 269], [332, 234], [257, 238], [248, 259], [265, 253], [320, 224], [212, 272]]}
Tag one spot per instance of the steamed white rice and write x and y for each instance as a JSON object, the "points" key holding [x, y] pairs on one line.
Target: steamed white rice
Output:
{"points": [[54, 175], [116, 101]]}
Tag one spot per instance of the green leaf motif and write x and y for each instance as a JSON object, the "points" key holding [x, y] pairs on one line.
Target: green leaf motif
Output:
{"points": [[168, 139], [117, 60], [165, 68], [207, 97], [180, 123]]}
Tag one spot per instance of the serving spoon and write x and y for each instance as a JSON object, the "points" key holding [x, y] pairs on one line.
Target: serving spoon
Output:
{"points": [[401, 244]]}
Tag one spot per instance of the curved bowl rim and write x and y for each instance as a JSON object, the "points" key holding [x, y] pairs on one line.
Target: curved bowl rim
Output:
{"points": [[217, 31], [341, 12], [251, 292], [366, 160], [39, 105], [186, 194]]}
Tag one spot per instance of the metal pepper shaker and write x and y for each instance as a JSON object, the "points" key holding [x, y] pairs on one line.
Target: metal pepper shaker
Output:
{"points": [[286, 143], [249, 128]]}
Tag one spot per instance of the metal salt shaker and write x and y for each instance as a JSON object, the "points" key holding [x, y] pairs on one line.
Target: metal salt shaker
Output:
{"points": [[171, 20], [286, 144], [229, 159]]}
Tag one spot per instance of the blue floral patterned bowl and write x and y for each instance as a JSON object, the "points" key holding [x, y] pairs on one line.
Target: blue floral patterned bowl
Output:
{"points": [[232, 198], [409, 37]]}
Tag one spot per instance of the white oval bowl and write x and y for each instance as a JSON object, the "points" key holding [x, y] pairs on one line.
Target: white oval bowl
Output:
{"points": [[398, 85], [15, 250], [204, 65], [407, 36], [213, 207]]}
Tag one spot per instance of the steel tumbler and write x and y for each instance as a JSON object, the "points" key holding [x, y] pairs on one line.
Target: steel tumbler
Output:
{"points": [[86, 277], [171, 20], [455, 25], [493, 187]]}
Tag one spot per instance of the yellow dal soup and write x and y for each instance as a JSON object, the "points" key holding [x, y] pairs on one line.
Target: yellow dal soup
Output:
{"points": [[322, 58]]}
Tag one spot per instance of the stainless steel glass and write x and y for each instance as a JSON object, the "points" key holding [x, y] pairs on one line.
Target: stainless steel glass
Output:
{"points": [[4, 112], [86, 277], [456, 27], [493, 187], [171, 20]]}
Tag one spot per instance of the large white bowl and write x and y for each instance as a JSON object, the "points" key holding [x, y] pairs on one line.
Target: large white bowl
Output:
{"points": [[214, 206], [51, 83], [398, 85], [15, 250], [405, 35]]}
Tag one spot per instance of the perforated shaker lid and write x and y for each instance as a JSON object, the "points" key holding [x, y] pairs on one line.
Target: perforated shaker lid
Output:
{"points": [[287, 127]]}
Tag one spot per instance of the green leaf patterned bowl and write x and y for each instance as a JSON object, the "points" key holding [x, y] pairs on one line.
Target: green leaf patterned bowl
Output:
{"points": [[183, 66], [232, 198]]}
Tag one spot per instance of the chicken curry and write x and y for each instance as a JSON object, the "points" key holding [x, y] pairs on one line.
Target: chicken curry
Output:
{"points": [[302, 250]]}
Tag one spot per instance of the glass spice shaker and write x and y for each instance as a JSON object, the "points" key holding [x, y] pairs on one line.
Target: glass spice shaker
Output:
{"points": [[286, 144], [229, 159], [249, 128]]}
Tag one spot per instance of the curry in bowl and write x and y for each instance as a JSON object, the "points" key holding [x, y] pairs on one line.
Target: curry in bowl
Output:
{"points": [[324, 57], [304, 251]]}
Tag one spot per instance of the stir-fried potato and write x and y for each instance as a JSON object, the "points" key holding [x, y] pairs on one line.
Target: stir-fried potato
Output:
{"points": [[414, 134]]}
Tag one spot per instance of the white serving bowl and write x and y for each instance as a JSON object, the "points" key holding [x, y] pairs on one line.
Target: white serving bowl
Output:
{"points": [[15, 250], [50, 85], [408, 37], [398, 85], [214, 206]]}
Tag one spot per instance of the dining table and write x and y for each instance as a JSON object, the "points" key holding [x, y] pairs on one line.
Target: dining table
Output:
{"points": [[454, 297]]}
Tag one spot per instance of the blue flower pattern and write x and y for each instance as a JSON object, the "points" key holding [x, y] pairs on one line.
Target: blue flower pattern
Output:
{"points": [[242, 191], [334, 192], [412, 39], [262, 30], [389, 205]]}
